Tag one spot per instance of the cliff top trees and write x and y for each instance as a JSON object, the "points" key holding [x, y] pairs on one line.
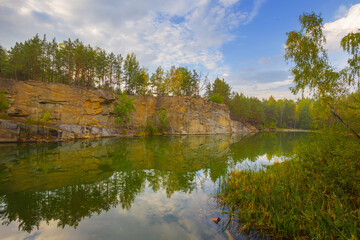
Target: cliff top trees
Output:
{"points": [[158, 82], [219, 91], [74, 63], [312, 69], [3, 62]]}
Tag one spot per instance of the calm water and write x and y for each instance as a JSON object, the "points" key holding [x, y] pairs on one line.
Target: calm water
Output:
{"points": [[141, 188]]}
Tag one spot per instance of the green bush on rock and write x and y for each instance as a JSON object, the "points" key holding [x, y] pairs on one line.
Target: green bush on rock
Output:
{"points": [[4, 102], [123, 108]]}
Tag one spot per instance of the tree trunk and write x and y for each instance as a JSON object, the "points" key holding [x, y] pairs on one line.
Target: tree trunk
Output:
{"points": [[337, 115], [343, 122]]}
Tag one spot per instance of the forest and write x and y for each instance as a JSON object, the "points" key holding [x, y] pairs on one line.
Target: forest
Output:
{"points": [[75, 63]]}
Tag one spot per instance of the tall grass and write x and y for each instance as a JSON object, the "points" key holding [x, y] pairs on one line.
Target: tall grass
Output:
{"points": [[316, 195]]}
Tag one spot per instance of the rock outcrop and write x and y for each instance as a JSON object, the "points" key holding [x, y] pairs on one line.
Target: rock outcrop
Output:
{"points": [[81, 113]]}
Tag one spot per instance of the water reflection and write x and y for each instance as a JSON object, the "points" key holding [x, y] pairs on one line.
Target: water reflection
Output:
{"points": [[70, 182]]}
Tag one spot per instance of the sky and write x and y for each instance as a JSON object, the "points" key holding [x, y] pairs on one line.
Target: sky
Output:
{"points": [[242, 41]]}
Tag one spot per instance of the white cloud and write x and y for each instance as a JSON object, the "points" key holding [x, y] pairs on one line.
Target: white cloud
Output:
{"points": [[341, 12], [227, 3], [277, 89], [255, 11], [336, 30], [159, 32]]}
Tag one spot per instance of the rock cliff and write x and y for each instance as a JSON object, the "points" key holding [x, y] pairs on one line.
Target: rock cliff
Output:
{"points": [[80, 113]]}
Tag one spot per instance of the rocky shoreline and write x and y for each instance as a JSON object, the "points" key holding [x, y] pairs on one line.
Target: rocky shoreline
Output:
{"points": [[81, 113]]}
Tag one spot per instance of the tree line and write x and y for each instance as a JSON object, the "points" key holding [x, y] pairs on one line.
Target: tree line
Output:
{"points": [[74, 63], [304, 113]]}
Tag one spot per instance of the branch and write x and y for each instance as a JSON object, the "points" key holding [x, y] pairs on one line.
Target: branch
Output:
{"points": [[357, 136], [343, 122]]}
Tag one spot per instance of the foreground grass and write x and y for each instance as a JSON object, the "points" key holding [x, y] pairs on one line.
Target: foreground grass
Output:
{"points": [[317, 195]]}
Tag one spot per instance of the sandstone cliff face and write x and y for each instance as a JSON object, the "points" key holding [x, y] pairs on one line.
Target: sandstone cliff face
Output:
{"points": [[80, 113]]}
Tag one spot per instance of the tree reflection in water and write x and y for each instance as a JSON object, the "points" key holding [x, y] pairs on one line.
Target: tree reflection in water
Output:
{"points": [[68, 182]]}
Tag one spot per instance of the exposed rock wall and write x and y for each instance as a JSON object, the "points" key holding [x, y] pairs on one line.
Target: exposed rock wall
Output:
{"points": [[79, 113]]}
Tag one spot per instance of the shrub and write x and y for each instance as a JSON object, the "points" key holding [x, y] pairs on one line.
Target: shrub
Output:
{"points": [[123, 108], [217, 98], [161, 119], [151, 129], [270, 125], [4, 102], [46, 116]]}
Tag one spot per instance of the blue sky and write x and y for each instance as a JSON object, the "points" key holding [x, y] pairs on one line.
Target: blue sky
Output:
{"points": [[240, 40]]}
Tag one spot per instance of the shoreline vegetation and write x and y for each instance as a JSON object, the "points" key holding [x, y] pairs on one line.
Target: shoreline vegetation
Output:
{"points": [[316, 193]]}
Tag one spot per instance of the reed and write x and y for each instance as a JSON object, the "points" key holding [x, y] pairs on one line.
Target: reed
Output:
{"points": [[316, 195]]}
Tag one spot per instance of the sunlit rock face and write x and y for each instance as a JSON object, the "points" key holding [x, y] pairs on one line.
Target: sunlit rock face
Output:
{"points": [[81, 113]]}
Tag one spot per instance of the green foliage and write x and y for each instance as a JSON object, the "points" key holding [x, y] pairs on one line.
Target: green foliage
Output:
{"points": [[306, 49], [333, 158], [158, 124], [158, 82], [217, 98], [189, 82], [123, 108], [151, 129], [46, 117], [74, 63], [161, 119], [4, 102], [136, 78], [30, 121], [314, 196], [351, 44], [270, 125], [219, 87], [181, 82], [3, 62], [313, 70]]}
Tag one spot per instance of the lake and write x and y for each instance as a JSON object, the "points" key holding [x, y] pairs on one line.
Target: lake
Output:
{"points": [[138, 188]]}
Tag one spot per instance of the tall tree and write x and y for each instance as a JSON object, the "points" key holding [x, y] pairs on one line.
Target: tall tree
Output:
{"points": [[157, 81], [118, 71], [3, 61], [132, 72], [219, 89], [174, 79], [68, 56], [312, 69]]}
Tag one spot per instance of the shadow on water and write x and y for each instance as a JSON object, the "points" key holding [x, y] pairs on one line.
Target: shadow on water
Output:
{"points": [[68, 182]]}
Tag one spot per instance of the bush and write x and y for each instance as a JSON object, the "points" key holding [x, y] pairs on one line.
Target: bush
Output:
{"points": [[270, 125], [150, 129], [46, 117], [217, 98], [161, 120], [123, 108], [4, 102]]}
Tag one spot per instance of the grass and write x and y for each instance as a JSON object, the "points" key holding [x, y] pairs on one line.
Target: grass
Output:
{"points": [[317, 195]]}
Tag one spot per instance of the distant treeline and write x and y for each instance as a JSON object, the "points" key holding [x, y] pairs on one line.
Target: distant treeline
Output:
{"points": [[305, 113], [74, 63]]}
